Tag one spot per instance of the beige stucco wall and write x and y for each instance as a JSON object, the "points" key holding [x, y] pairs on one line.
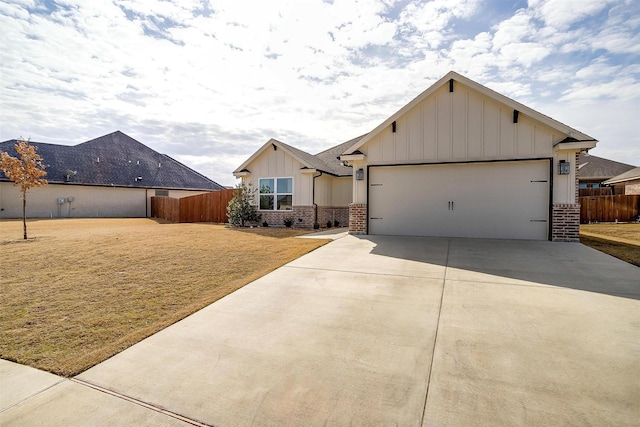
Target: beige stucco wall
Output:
{"points": [[88, 201], [463, 126]]}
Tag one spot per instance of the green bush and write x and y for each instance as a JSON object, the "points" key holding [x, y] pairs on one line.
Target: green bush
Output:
{"points": [[240, 209]]}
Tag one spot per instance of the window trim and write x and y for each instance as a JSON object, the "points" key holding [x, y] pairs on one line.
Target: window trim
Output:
{"points": [[275, 193]]}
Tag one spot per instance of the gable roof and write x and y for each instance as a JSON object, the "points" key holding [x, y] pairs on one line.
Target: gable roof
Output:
{"points": [[577, 138], [326, 161], [629, 175], [598, 168], [115, 160]]}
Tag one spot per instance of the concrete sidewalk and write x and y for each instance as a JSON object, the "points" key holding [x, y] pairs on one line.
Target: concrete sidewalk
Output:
{"points": [[378, 330]]}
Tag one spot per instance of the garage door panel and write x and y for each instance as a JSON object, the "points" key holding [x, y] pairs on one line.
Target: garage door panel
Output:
{"points": [[495, 200]]}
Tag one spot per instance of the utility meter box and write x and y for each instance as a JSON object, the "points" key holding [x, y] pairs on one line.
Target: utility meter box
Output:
{"points": [[70, 199], [60, 200]]}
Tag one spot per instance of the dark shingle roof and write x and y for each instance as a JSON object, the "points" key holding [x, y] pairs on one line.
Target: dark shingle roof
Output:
{"points": [[117, 160], [597, 168], [327, 160], [330, 156]]}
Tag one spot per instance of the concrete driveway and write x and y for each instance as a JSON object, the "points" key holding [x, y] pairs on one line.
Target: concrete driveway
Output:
{"points": [[378, 331]]}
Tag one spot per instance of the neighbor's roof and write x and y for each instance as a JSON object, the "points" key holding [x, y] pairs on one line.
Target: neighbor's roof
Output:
{"points": [[116, 160], [629, 175], [326, 161], [598, 168], [573, 135]]}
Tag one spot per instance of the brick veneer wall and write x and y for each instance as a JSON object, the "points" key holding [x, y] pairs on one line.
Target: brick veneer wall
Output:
{"points": [[632, 187], [358, 218], [566, 223], [302, 216], [340, 214]]}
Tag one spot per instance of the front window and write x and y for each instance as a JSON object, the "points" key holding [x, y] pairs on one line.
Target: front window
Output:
{"points": [[276, 194]]}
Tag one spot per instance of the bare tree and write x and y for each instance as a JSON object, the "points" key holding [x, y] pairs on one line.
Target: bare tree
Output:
{"points": [[26, 172]]}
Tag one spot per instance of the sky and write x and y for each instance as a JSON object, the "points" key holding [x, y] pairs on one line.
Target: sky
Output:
{"points": [[209, 82]]}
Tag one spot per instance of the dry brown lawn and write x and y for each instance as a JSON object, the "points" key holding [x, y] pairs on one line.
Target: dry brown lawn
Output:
{"points": [[619, 240], [81, 290]]}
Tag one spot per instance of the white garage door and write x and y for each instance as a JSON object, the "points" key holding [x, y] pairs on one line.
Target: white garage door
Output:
{"points": [[504, 200]]}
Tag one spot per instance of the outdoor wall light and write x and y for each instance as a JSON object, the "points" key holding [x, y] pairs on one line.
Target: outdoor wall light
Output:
{"points": [[360, 174], [563, 167]]}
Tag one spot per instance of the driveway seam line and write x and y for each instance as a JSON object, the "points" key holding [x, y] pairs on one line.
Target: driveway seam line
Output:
{"points": [[364, 272], [435, 339], [141, 403], [32, 396]]}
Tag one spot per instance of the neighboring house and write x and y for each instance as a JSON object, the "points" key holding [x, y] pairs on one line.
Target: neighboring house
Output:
{"points": [[630, 180], [110, 176], [461, 160], [291, 183], [593, 170]]}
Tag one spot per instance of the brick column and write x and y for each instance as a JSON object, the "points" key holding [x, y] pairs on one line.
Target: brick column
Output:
{"points": [[566, 223], [358, 218]]}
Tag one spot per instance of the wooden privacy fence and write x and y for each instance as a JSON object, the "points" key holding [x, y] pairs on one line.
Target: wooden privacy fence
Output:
{"points": [[207, 207], [616, 190], [609, 208]]}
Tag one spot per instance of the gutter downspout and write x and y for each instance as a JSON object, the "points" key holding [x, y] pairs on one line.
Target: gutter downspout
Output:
{"points": [[313, 198], [146, 203]]}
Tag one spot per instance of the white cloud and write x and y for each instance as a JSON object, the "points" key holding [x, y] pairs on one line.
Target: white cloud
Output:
{"points": [[561, 14], [210, 82]]}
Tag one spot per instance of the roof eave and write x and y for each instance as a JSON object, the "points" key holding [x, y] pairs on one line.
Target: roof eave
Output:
{"points": [[274, 143], [575, 145], [352, 157]]}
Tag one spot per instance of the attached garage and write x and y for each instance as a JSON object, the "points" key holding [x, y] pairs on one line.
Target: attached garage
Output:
{"points": [[461, 160], [505, 200]]}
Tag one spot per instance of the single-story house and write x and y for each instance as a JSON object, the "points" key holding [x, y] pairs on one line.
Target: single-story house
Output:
{"points": [[110, 176], [460, 160], [594, 171], [630, 180]]}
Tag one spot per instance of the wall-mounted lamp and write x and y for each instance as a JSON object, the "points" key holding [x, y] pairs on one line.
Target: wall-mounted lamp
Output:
{"points": [[359, 174], [563, 167]]}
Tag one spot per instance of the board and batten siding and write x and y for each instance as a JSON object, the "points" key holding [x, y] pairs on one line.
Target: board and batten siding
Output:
{"points": [[277, 163], [333, 191], [459, 126], [465, 126]]}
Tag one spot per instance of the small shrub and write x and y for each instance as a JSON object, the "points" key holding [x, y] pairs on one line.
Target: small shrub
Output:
{"points": [[288, 221], [329, 224], [316, 225], [265, 224], [336, 223], [240, 209]]}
